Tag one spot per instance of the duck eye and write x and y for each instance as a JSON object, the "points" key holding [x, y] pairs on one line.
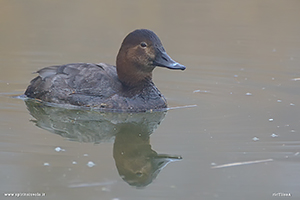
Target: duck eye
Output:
{"points": [[143, 44]]}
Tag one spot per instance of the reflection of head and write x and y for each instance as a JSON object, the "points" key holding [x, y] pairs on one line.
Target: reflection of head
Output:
{"points": [[136, 162]]}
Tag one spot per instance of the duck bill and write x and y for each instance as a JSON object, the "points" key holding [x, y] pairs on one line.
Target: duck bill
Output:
{"points": [[164, 60]]}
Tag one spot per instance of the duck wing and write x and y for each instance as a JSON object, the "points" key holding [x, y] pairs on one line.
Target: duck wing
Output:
{"points": [[76, 83]]}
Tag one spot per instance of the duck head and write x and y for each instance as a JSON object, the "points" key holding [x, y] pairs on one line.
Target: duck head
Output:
{"points": [[141, 51]]}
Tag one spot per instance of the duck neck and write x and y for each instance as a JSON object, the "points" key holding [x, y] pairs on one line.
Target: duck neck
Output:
{"points": [[130, 74]]}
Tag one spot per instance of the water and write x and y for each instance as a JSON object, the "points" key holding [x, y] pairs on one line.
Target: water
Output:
{"points": [[241, 141]]}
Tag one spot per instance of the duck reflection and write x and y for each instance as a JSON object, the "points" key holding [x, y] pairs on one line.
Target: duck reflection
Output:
{"points": [[137, 163]]}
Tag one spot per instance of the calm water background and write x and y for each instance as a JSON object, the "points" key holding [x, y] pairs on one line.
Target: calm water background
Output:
{"points": [[243, 61]]}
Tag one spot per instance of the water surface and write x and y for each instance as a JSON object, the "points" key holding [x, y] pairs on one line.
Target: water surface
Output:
{"points": [[241, 141]]}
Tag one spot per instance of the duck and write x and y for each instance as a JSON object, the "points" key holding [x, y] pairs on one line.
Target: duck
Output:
{"points": [[126, 87]]}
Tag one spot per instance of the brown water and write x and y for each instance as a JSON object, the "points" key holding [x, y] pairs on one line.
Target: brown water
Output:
{"points": [[241, 141]]}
